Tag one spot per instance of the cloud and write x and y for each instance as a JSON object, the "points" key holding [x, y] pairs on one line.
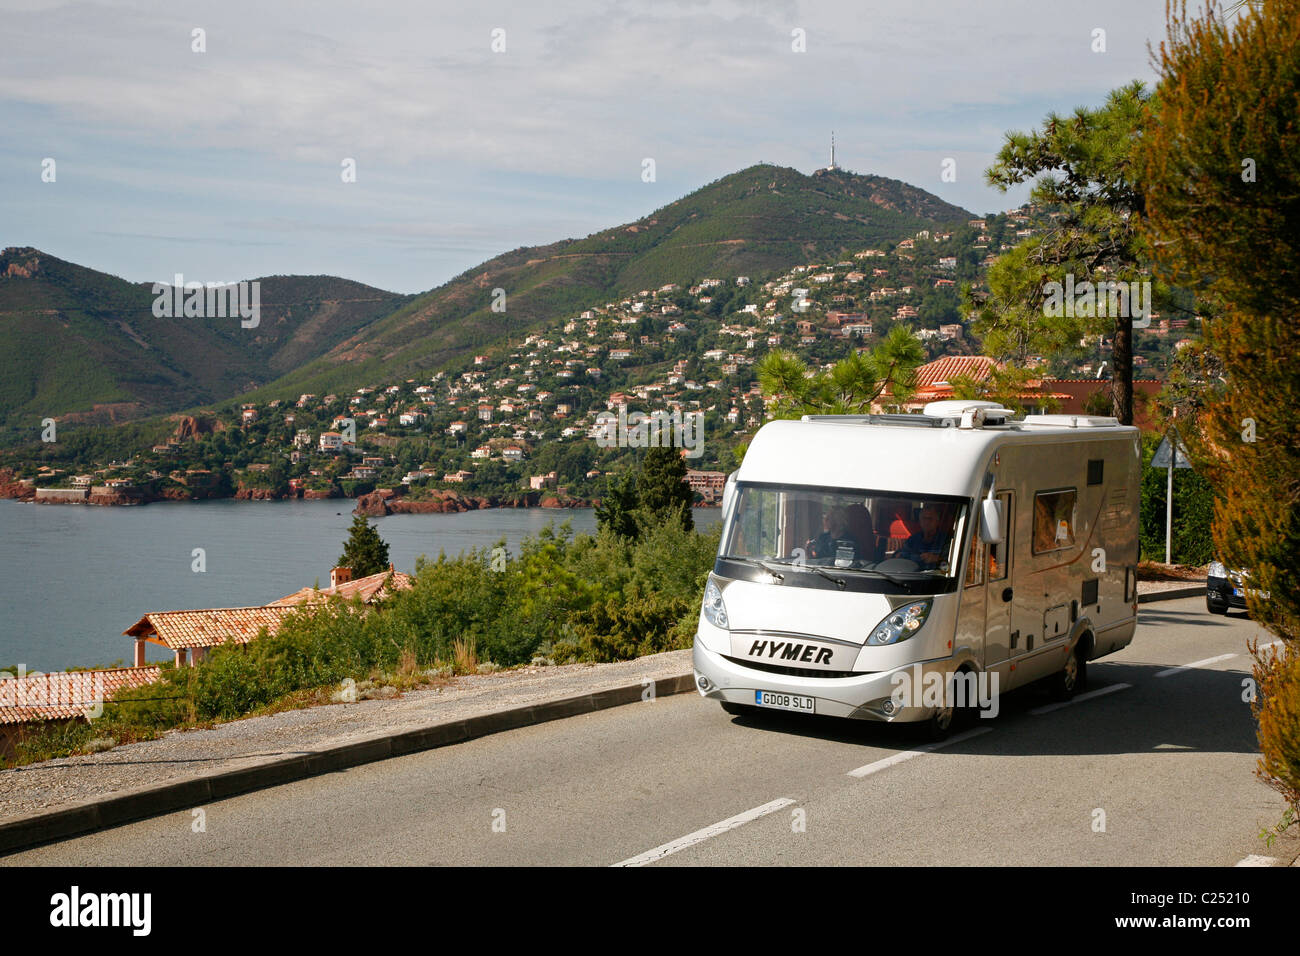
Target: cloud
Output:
{"points": [[554, 128]]}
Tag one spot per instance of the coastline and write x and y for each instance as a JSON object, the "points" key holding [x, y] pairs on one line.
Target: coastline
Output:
{"points": [[382, 502]]}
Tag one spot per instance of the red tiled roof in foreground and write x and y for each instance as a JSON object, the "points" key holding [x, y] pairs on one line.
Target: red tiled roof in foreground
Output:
{"points": [[65, 695], [207, 628], [372, 588]]}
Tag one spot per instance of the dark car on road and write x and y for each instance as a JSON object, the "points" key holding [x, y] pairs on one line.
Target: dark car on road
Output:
{"points": [[1226, 588]]}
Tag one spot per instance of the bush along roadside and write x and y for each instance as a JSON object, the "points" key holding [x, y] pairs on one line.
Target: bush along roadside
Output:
{"points": [[1193, 512]]}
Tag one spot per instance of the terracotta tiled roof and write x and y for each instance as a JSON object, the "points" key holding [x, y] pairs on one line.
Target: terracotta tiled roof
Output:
{"points": [[207, 628], [64, 695], [372, 588], [950, 366]]}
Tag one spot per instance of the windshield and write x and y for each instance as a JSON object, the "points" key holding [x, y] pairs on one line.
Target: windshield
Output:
{"points": [[888, 532]]}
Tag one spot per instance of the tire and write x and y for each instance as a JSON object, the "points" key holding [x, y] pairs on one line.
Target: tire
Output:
{"points": [[1216, 608], [967, 716], [939, 725], [943, 723], [1067, 682]]}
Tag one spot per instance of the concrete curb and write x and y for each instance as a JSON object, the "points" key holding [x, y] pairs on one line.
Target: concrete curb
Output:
{"points": [[103, 813], [1195, 590]]}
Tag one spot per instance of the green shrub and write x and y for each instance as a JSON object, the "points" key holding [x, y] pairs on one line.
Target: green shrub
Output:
{"points": [[1193, 513]]}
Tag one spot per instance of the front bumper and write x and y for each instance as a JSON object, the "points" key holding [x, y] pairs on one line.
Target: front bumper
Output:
{"points": [[859, 698], [1222, 592]]}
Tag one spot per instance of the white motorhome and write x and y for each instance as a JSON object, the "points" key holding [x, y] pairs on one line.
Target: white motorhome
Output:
{"points": [[864, 553]]}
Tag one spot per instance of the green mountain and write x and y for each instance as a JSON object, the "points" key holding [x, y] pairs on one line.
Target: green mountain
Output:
{"points": [[760, 219], [81, 345], [85, 345]]}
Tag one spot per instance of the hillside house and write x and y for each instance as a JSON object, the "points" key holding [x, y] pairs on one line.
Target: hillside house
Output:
{"points": [[190, 635], [371, 589]]}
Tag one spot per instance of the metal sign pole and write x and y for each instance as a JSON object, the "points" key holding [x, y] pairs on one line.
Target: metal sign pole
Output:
{"points": [[1169, 512], [1169, 455]]}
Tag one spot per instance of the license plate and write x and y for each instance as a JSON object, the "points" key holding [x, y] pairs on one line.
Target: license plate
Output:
{"points": [[1238, 592], [795, 702]]}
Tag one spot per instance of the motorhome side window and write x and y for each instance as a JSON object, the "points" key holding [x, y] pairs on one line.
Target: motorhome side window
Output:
{"points": [[843, 528], [1054, 520]]}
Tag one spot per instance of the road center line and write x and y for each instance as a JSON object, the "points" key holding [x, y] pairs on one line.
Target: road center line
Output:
{"points": [[1170, 671], [897, 758], [699, 836], [1108, 689]]}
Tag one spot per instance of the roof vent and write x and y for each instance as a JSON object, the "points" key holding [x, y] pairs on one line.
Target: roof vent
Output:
{"points": [[969, 413], [1069, 421]]}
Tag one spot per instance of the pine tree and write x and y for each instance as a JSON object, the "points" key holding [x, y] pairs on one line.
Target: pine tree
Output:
{"points": [[655, 490], [364, 552], [851, 386], [617, 510], [662, 487], [1082, 167]]}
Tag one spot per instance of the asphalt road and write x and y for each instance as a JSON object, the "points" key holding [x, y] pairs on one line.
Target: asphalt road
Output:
{"points": [[1153, 767]]}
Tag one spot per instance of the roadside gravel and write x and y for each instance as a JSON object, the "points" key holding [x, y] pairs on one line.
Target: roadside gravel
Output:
{"points": [[180, 755]]}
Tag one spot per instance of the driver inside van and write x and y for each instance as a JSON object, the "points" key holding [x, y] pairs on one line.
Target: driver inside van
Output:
{"points": [[835, 535], [929, 545]]}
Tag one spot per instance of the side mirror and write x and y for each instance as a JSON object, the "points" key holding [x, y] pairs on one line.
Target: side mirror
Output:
{"points": [[728, 492], [991, 521]]}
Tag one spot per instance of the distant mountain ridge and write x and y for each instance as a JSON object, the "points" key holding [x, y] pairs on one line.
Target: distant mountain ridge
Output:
{"points": [[758, 220], [84, 342]]}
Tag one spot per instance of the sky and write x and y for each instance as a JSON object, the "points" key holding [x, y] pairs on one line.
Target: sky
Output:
{"points": [[479, 128]]}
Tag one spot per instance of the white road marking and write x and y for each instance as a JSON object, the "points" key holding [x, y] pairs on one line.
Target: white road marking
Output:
{"points": [[1256, 860], [699, 836], [897, 758], [1170, 671], [1264, 647], [1108, 689]]}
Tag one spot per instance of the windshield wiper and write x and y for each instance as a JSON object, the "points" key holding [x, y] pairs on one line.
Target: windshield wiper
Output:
{"points": [[839, 582], [780, 576], [901, 582]]}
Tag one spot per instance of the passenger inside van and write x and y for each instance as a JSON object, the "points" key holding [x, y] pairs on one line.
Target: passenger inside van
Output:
{"points": [[928, 546]]}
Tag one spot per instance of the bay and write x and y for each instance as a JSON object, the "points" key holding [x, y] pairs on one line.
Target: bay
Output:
{"points": [[74, 577]]}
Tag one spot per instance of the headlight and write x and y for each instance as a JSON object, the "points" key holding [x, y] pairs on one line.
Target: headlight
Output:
{"points": [[900, 624], [715, 612], [1216, 570]]}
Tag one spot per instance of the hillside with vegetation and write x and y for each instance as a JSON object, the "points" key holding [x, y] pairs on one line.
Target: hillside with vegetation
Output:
{"points": [[759, 220], [85, 344]]}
